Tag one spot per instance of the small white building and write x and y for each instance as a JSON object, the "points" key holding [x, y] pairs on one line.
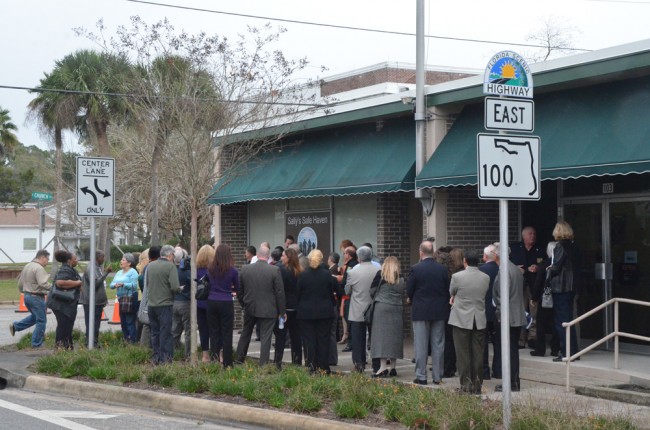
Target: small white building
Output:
{"points": [[19, 234]]}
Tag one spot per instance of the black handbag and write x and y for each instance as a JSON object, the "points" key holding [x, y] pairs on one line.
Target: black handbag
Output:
{"points": [[65, 296], [202, 288]]}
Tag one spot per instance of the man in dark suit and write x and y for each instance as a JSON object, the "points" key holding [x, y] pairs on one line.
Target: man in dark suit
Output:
{"points": [[261, 294], [492, 332], [468, 289], [428, 290], [528, 255]]}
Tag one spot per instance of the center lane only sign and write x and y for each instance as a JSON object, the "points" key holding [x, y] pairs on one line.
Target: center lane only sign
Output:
{"points": [[508, 167], [95, 187]]}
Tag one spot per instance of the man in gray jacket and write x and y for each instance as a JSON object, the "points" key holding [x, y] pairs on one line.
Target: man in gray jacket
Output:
{"points": [[358, 288], [162, 284], [516, 310], [468, 288], [261, 294]]}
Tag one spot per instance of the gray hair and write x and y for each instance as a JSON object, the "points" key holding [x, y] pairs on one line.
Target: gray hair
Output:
{"points": [[497, 249], [364, 254], [166, 251], [179, 255], [549, 248], [130, 258], [490, 252], [263, 253]]}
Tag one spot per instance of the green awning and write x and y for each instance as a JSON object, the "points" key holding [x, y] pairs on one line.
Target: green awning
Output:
{"points": [[590, 131], [361, 159]]}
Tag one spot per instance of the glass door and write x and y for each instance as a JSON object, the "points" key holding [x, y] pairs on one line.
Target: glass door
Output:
{"points": [[586, 219], [629, 230]]}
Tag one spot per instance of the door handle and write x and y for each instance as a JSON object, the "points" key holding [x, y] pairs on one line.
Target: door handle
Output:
{"points": [[603, 271]]}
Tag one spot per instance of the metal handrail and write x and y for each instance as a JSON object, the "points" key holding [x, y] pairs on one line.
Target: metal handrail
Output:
{"points": [[615, 334]]}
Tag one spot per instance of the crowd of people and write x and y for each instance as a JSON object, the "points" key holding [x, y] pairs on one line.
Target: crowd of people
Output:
{"points": [[309, 303]]}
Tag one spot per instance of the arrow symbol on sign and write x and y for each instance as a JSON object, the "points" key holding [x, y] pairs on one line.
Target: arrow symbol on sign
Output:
{"points": [[85, 190], [105, 193]]}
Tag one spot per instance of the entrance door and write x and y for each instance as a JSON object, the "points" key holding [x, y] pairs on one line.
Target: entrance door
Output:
{"points": [[629, 227], [614, 239], [586, 219]]}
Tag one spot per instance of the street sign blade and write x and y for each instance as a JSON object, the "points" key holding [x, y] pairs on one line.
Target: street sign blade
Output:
{"points": [[509, 114], [508, 167], [37, 195]]}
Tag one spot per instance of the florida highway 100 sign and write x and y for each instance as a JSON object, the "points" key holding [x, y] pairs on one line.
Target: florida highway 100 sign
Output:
{"points": [[508, 166]]}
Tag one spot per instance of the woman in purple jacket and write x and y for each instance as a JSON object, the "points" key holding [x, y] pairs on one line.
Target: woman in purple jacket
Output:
{"points": [[224, 280], [203, 259]]}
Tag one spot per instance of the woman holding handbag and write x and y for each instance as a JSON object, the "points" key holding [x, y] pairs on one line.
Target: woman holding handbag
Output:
{"points": [[387, 292], [126, 282], [64, 298]]}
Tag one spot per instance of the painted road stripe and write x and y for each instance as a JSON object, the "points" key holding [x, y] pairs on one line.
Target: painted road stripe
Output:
{"points": [[78, 414], [71, 425]]}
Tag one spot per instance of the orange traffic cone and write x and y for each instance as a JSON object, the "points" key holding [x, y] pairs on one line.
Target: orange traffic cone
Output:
{"points": [[116, 313], [21, 306], [104, 318]]}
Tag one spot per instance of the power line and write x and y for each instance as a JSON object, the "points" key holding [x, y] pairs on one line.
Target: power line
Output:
{"points": [[345, 27], [99, 93]]}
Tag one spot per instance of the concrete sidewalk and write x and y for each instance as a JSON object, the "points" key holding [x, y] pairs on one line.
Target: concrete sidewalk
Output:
{"points": [[542, 382]]}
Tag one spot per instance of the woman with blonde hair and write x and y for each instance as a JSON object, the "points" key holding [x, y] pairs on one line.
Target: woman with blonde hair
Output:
{"points": [[387, 291], [315, 291], [564, 271], [203, 258]]}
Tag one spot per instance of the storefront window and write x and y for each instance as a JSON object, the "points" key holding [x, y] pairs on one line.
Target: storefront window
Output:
{"points": [[266, 222], [355, 218]]}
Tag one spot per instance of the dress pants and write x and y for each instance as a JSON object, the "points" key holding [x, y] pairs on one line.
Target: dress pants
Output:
{"points": [[546, 325], [162, 341], [98, 320], [316, 335], [358, 331], [515, 332], [266, 335], [292, 326], [181, 323], [202, 323], [492, 332], [469, 358], [334, 353], [425, 332], [220, 318], [563, 312]]}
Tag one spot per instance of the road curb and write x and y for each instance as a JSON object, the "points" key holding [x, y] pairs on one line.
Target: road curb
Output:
{"points": [[181, 405], [11, 379]]}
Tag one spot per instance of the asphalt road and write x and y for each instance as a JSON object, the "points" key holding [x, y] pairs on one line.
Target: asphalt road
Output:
{"points": [[26, 411]]}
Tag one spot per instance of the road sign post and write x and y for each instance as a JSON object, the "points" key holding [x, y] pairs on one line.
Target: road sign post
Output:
{"points": [[508, 168], [95, 198]]}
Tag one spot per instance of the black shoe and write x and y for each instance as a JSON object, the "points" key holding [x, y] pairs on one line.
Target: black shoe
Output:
{"points": [[499, 388], [531, 344], [555, 353], [536, 354], [257, 339], [487, 377], [496, 375], [420, 381], [448, 374], [347, 349], [382, 374], [437, 382], [359, 368], [560, 358], [392, 372]]}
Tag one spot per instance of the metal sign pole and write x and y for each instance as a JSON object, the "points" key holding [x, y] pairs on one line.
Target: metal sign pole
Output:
{"points": [[91, 287], [504, 301], [40, 226]]}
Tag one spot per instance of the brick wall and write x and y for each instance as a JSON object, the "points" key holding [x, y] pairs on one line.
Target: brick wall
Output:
{"points": [[393, 231], [474, 223], [234, 232], [388, 74]]}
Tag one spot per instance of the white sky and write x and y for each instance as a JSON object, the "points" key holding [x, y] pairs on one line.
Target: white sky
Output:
{"points": [[36, 33]]}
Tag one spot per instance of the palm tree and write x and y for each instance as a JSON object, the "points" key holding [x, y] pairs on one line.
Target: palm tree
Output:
{"points": [[48, 110], [94, 82], [8, 138]]}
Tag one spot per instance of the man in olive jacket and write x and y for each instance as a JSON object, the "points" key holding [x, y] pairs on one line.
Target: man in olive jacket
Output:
{"points": [[162, 285], [261, 294]]}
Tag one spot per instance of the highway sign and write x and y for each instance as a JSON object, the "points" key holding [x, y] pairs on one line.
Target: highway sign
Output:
{"points": [[508, 167], [37, 195], [95, 187], [507, 74], [509, 114]]}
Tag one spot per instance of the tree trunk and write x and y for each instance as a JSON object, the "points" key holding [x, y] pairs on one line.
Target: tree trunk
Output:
{"points": [[155, 168], [103, 242], [193, 252]]}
